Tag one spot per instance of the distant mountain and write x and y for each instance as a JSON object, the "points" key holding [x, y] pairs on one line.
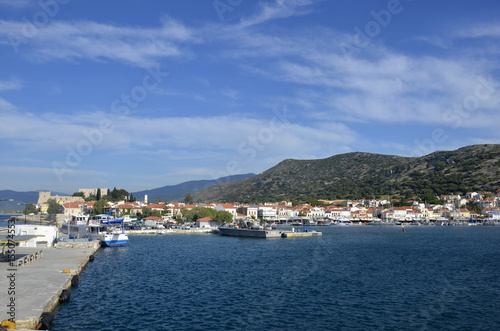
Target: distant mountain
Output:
{"points": [[366, 175], [31, 196], [178, 192], [13, 201]]}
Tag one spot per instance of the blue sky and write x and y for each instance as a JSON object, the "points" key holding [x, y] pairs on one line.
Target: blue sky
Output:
{"points": [[142, 94]]}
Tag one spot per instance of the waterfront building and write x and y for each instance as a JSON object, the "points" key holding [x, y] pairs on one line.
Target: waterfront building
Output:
{"points": [[72, 208], [226, 207], [46, 234], [248, 211], [206, 222]]}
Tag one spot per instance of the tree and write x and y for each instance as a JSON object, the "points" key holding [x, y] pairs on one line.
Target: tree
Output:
{"points": [[188, 198], [54, 207], [223, 217], [99, 207], [30, 209], [431, 198], [132, 198], [98, 196], [117, 195], [79, 194], [474, 206], [114, 194], [315, 202]]}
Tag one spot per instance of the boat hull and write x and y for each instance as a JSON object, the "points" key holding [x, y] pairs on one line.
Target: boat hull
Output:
{"points": [[253, 233], [113, 240]]}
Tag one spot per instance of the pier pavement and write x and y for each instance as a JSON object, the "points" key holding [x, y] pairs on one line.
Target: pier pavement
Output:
{"points": [[38, 284]]}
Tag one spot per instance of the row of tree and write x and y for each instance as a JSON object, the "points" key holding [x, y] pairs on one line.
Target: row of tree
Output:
{"points": [[53, 208], [218, 216]]}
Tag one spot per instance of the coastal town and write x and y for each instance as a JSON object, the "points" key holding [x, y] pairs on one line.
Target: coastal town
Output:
{"points": [[446, 210], [89, 220]]}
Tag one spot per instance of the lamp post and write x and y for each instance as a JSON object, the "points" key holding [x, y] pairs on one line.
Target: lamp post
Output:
{"points": [[24, 211]]}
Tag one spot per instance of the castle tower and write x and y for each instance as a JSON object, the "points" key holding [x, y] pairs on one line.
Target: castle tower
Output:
{"points": [[43, 197]]}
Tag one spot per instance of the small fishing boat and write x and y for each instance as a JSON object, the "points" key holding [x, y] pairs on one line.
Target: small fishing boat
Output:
{"points": [[114, 235]]}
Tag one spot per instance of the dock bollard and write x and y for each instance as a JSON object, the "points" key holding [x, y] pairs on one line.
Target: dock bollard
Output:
{"points": [[45, 321], [75, 280], [8, 324], [65, 294]]}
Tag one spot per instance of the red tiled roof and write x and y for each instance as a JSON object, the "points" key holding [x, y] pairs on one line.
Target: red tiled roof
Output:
{"points": [[72, 205], [227, 206]]}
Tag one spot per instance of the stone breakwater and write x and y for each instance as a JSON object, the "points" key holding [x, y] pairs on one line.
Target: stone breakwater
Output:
{"points": [[35, 287]]}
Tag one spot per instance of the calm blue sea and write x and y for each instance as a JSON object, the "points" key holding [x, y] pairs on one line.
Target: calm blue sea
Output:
{"points": [[352, 278], [3, 220]]}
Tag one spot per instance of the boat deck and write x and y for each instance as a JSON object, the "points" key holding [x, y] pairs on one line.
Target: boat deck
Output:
{"points": [[265, 233], [290, 234]]}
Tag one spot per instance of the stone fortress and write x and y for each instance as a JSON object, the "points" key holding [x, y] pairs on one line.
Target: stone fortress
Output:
{"points": [[43, 197], [93, 191]]}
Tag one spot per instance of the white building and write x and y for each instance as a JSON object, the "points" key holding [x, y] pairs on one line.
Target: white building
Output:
{"points": [[47, 234], [226, 207], [206, 222], [267, 212], [316, 212], [493, 213]]}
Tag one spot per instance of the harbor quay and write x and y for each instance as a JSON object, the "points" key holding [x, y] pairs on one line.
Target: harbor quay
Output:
{"points": [[33, 283], [169, 231]]}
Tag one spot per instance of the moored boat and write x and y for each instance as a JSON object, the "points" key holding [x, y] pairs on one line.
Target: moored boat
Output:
{"points": [[114, 235], [250, 229], [245, 232]]}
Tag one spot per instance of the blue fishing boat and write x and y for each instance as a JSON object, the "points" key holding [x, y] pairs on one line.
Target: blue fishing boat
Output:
{"points": [[114, 235]]}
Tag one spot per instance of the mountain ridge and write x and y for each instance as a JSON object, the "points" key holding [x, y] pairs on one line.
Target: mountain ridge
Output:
{"points": [[367, 175], [177, 192]]}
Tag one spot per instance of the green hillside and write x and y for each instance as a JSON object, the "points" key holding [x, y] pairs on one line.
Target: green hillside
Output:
{"points": [[366, 175]]}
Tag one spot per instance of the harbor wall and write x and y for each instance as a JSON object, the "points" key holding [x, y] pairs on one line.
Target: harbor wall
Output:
{"points": [[37, 285]]}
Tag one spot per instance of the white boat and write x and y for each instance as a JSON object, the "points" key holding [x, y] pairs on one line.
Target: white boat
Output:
{"points": [[343, 222], [114, 235], [106, 228], [77, 227]]}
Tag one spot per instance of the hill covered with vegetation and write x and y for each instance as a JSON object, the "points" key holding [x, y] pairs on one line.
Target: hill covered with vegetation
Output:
{"points": [[178, 192], [367, 175]]}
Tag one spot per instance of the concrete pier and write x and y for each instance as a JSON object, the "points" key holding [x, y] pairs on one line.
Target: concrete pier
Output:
{"points": [[38, 284]]}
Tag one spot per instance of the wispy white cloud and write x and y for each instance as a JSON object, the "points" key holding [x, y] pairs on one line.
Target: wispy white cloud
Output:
{"points": [[230, 93], [276, 10], [331, 92], [72, 41], [10, 85], [435, 41], [479, 31], [5, 105], [378, 83], [179, 142], [217, 133]]}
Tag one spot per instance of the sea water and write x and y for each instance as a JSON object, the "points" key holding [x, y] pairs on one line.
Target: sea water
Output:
{"points": [[351, 278], [4, 220]]}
